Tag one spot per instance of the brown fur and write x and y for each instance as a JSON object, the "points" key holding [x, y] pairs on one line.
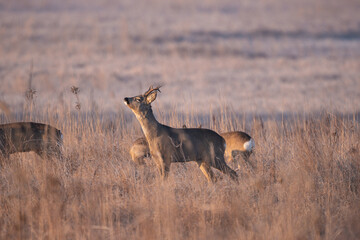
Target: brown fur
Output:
{"points": [[234, 147], [168, 145], [139, 150], [40, 138]]}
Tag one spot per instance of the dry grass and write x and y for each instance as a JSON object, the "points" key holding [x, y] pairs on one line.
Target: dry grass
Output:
{"points": [[224, 63], [306, 185]]}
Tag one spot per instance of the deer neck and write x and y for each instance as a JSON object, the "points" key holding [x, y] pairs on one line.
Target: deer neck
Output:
{"points": [[149, 124]]}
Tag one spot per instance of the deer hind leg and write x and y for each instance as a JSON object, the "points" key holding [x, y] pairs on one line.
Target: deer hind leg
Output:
{"points": [[230, 159], [207, 171], [227, 170], [224, 168], [245, 156]]}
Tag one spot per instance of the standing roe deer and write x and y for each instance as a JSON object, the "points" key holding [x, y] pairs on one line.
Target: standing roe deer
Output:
{"points": [[237, 144], [41, 138], [167, 144]]}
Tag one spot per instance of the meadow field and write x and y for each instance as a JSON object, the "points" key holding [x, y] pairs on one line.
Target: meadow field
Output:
{"points": [[287, 72]]}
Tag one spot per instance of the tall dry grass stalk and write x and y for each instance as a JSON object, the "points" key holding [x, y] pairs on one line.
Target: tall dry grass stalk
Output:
{"points": [[306, 184], [4, 107], [76, 90], [30, 95]]}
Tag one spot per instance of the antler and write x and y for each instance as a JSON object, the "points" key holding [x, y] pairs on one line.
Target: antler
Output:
{"points": [[151, 89]]}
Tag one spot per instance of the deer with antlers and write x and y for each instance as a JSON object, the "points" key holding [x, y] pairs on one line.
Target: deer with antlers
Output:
{"points": [[238, 145], [168, 145]]}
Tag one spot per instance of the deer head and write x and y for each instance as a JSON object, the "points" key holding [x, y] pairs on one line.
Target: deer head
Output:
{"points": [[141, 104]]}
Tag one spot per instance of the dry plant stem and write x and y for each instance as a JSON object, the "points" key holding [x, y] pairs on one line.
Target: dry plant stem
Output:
{"points": [[259, 66], [75, 90], [29, 95], [312, 190]]}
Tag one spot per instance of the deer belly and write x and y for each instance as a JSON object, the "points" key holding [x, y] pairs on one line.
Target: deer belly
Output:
{"points": [[184, 154], [26, 145]]}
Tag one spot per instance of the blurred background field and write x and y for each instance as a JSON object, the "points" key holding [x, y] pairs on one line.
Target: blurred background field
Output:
{"points": [[255, 56], [286, 72]]}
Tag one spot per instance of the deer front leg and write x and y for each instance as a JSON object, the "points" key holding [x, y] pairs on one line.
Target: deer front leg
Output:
{"points": [[207, 171], [162, 165]]}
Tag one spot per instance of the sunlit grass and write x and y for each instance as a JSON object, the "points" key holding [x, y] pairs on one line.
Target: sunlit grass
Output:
{"points": [[305, 185]]}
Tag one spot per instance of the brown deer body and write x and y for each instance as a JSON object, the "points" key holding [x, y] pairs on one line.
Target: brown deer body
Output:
{"points": [[169, 145], [237, 144], [40, 138]]}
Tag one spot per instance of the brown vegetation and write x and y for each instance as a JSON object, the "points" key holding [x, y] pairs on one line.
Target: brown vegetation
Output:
{"points": [[306, 185], [218, 59]]}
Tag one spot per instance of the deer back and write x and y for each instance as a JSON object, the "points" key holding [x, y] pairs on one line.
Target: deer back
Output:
{"points": [[28, 136], [188, 144]]}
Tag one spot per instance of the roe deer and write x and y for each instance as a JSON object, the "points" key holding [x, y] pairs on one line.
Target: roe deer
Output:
{"points": [[41, 138], [237, 144], [167, 144], [140, 150]]}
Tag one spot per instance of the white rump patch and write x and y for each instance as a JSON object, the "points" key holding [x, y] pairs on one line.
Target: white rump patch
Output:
{"points": [[249, 145]]}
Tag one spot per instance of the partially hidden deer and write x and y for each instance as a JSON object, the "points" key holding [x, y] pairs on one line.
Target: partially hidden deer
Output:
{"points": [[40, 138], [168, 144], [140, 150], [238, 144]]}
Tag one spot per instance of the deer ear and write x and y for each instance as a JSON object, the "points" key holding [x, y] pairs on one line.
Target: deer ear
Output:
{"points": [[151, 97]]}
